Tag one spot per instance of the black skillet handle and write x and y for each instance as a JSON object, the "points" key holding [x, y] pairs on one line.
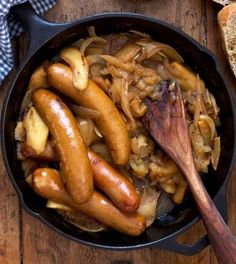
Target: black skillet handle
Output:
{"points": [[39, 29], [188, 250], [172, 244]]}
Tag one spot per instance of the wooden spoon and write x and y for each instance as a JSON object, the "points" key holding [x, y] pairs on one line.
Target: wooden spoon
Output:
{"points": [[165, 119]]}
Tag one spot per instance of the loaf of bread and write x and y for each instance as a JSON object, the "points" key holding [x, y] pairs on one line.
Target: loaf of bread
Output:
{"points": [[224, 2], [227, 24]]}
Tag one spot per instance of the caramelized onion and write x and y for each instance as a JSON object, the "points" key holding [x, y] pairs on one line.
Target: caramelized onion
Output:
{"points": [[153, 47], [148, 204], [84, 112], [101, 83], [94, 59], [88, 42], [215, 155], [87, 131], [125, 102], [76, 218], [197, 103]]}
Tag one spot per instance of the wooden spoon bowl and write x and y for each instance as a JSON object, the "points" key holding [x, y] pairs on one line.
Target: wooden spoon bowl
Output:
{"points": [[165, 119]]}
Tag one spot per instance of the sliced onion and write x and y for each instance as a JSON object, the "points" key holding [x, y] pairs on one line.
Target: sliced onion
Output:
{"points": [[148, 204], [102, 150], [138, 33], [207, 128], [153, 47], [115, 90], [215, 155], [117, 72], [197, 102], [214, 106], [165, 205], [90, 40], [125, 102], [101, 83], [211, 106], [186, 78], [129, 67], [84, 112], [94, 59], [95, 70], [163, 72], [145, 72], [76, 218], [128, 52], [77, 43], [91, 31], [97, 132], [87, 130], [58, 206], [196, 140], [29, 180], [90, 51]]}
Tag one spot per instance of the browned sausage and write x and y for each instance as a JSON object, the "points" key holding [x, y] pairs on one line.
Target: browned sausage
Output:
{"points": [[110, 122], [69, 144], [48, 184], [116, 186]]}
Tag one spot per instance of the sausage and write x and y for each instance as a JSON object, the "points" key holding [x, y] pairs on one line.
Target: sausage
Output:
{"points": [[69, 144], [120, 190], [110, 122], [117, 187], [47, 183]]}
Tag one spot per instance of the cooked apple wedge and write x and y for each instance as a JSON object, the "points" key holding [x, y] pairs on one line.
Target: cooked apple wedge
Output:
{"points": [[36, 130]]}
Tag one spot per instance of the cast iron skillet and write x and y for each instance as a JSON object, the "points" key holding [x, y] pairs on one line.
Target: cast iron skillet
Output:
{"points": [[46, 39]]}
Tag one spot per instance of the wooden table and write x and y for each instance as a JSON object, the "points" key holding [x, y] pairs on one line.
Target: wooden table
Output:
{"points": [[24, 239]]}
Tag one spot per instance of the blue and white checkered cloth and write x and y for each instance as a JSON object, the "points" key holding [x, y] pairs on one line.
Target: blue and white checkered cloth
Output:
{"points": [[10, 27]]}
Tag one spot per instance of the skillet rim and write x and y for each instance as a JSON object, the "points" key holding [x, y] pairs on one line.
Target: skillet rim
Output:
{"points": [[123, 15]]}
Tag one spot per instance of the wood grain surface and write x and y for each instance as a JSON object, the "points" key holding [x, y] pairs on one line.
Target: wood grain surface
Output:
{"points": [[24, 239]]}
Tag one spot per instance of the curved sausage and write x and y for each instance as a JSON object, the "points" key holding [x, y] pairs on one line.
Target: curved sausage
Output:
{"points": [[69, 144], [110, 122], [117, 187], [48, 184], [120, 190]]}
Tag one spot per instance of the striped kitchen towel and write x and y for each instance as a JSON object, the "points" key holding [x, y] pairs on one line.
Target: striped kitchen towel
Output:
{"points": [[10, 27]]}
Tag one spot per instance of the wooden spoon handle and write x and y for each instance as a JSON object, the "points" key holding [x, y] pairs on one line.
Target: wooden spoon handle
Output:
{"points": [[222, 239], [165, 119]]}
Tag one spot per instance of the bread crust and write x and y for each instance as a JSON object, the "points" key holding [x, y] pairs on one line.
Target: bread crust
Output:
{"points": [[227, 24], [225, 13], [224, 2]]}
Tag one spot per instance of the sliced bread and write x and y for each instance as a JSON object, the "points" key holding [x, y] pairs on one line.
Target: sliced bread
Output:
{"points": [[227, 24]]}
